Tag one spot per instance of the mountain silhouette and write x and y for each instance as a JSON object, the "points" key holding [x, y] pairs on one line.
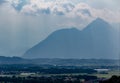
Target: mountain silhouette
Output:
{"points": [[94, 41]]}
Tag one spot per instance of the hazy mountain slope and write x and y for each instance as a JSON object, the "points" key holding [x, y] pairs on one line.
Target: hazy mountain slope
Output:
{"points": [[101, 34], [95, 41]]}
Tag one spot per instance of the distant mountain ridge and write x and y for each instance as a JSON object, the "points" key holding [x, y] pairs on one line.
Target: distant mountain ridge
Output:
{"points": [[56, 61], [95, 41], [12, 60]]}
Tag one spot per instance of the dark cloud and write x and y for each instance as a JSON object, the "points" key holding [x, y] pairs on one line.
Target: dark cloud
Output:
{"points": [[86, 12], [20, 5]]}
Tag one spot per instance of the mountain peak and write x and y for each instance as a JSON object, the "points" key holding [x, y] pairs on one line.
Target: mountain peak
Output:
{"points": [[98, 24], [66, 31], [99, 21], [71, 29]]}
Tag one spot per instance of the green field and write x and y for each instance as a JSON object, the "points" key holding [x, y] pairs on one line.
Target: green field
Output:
{"points": [[110, 73]]}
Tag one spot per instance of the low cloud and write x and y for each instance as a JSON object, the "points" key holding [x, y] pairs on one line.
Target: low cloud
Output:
{"points": [[69, 9]]}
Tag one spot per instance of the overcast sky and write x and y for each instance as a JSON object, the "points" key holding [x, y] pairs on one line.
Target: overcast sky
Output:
{"points": [[24, 23]]}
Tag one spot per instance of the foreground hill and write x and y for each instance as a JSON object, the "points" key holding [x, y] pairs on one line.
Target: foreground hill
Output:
{"points": [[95, 41]]}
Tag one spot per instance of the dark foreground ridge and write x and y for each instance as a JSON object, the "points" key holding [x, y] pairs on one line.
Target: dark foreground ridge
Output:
{"points": [[59, 79], [50, 79], [113, 79]]}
